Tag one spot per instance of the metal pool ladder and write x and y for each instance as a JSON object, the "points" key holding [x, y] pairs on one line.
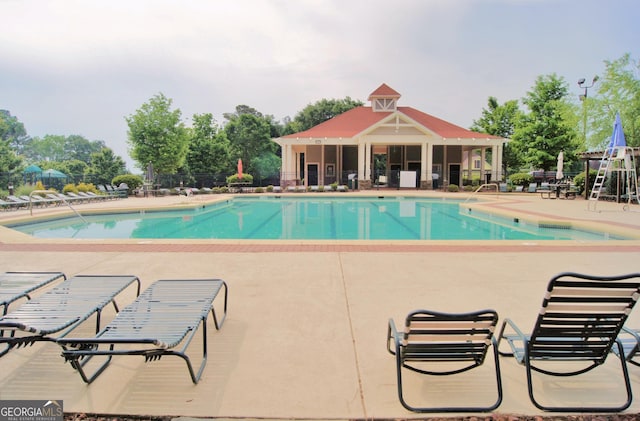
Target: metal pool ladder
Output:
{"points": [[61, 198]]}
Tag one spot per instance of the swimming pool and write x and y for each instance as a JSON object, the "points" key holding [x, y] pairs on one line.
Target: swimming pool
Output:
{"points": [[292, 218]]}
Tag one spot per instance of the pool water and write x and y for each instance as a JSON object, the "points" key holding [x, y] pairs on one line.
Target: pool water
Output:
{"points": [[283, 218]]}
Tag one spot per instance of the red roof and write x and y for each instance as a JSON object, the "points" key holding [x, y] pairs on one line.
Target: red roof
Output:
{"points": [[384, 91], [357, 120]]}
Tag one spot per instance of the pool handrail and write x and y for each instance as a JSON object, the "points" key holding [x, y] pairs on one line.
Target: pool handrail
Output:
{"points": [[61, 198], [483, 186]]}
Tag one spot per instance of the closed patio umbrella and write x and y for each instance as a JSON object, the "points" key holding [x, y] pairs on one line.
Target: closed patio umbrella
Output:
{"points": [[240, 169], [559, 171]]}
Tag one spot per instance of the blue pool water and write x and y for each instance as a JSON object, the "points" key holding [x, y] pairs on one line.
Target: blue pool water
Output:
{"points": [[403, 218]]}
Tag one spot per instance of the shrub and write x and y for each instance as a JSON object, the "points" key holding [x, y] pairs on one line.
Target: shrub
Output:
{"points": [[334, 186], [259, 190], [579, 180], [469, 187], [320, 188], [131, 180], [246, 178], [87, 187], [70, 188], [453, 188], [521, 179], [269, 188]]}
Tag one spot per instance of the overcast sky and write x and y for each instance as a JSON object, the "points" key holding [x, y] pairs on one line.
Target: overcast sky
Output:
{"points": [[81, 66]]}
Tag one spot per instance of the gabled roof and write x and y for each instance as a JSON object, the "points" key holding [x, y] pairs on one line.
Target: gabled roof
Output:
{"points": [[348, 124], [357, 120], [384, 91]]}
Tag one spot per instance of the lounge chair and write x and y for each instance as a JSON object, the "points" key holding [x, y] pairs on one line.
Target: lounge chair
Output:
{"points": [[17, 285], [166, 315], [6, 205], [460, 341], [575, 331], [54, 198], [17, 201], [61, 309], [532, 187]]}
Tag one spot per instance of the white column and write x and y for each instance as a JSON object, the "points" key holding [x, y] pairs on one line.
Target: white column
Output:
{"points": [[499, 152], [283, 164], [425, 167], [494, 164], [483, 160], [361, 157], [367, 161]]}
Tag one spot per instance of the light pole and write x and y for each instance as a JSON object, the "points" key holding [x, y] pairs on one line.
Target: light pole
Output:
{"points": [[583, 98]]}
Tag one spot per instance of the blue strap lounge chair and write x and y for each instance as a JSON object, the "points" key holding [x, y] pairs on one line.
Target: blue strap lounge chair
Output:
{"points": [[17, 285], [58, 311], [164, 317], [441, 344], [575, 331]]}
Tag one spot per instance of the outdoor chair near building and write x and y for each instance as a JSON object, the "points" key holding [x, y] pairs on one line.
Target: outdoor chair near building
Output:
{"points": [[167, 315], [58, 311], [575, 331], [440, 344]]}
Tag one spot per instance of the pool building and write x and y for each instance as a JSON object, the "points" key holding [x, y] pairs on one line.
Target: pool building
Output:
{"points": [[390, 145]]}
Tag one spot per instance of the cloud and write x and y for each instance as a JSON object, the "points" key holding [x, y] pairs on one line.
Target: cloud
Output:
{"points": [[80, 67]]}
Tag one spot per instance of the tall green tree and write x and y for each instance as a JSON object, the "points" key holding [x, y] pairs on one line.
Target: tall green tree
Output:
{"points": [[249, 137], [500, 120], [12, 131], [618, 90], [209, 147], [319, 112], [545, 130], [105, 166], [158, 136]]}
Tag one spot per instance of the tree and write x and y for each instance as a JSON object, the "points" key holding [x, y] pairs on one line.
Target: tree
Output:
{"points": [[209, 147], [105, 166], [618, 90], [321, 111], [500, 120], [12, 131], [158, 136], [249, 137], [542, 133], [61, 148]]}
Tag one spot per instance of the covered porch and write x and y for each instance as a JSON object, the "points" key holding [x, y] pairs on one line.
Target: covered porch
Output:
{"points": [[404, 146]]}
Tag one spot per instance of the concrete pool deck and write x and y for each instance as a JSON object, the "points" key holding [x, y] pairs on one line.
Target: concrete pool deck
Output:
{"points": [[305, 336]]}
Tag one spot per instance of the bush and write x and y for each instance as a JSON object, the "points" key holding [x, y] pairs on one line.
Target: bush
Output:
{"points": [[259, 190], [334, 186], [453, 188], [131, 180], [269, 188], [246, 178], [87, 187], [521, 179], [469, 188], [70, 188], [579, 180]]}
